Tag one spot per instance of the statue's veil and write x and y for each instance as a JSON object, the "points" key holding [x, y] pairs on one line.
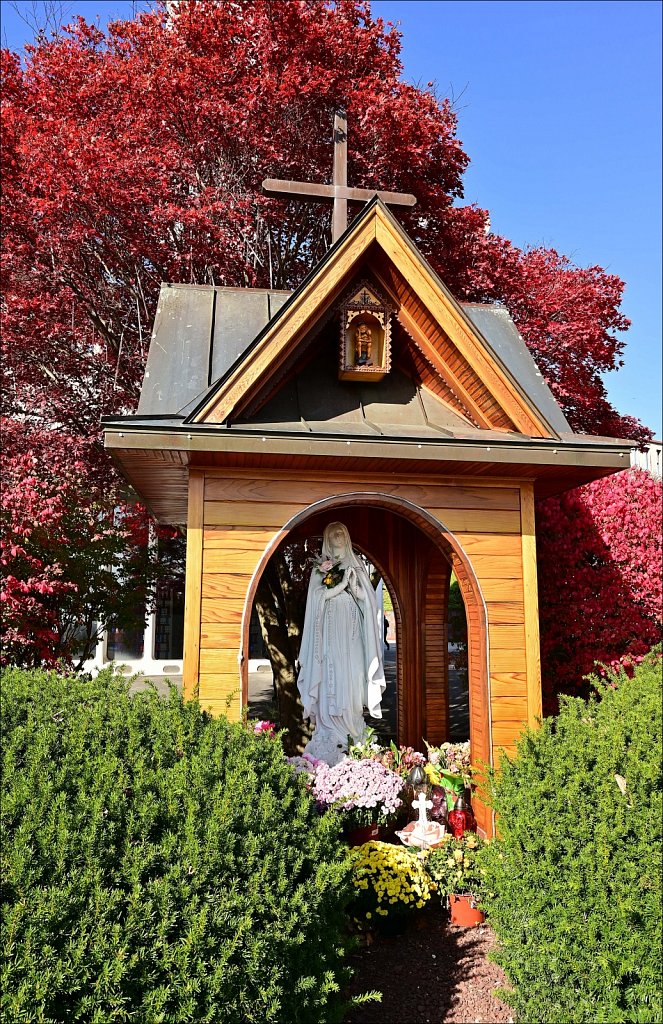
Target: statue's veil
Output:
{"points": [[351, 557]]}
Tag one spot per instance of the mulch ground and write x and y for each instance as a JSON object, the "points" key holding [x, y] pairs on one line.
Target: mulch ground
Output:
{"points": [[439, 974]]}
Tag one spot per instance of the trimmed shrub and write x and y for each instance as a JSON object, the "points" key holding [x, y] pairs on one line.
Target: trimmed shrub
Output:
{"points": [[573, 885], [159, 865]]}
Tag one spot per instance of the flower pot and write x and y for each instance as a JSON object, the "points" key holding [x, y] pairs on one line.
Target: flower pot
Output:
{"points": [[388, 833], [365, 834], [464, 911]]}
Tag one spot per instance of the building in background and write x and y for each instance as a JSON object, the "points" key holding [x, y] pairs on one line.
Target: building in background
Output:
{"points": [[153, 646], [650, 459]]}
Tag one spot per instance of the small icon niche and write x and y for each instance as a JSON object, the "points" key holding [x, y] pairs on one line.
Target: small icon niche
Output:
{"points": [[365, 350]]}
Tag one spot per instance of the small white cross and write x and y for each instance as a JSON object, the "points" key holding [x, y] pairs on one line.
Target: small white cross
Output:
{"points": [[420, 804]]}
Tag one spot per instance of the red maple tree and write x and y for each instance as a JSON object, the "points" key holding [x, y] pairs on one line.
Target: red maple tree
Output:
{"points": [[599, 552], [136, 156], [72, 561]]}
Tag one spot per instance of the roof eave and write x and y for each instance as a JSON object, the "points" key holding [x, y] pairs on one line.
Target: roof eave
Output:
{"points": [[125, 433], [156, 460]]}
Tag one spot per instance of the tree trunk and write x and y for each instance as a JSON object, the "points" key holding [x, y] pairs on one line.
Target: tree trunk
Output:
{"points": [[280, 612]]}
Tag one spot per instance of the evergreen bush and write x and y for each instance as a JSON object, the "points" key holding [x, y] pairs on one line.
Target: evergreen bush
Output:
{"points": [[573, 885], [159, 865]]}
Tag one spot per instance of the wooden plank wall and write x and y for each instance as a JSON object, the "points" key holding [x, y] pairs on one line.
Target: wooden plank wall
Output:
{"points": [[242, 515], [436, 660]]}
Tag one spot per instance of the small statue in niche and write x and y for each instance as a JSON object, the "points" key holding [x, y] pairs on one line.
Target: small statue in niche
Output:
{"points": [[365, 334], [363, 345]]}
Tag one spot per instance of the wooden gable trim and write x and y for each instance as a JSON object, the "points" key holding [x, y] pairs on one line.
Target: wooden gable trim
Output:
{"points": [[436, 351], [457, 327], [278, 342], [501, 400], [439, 366]]}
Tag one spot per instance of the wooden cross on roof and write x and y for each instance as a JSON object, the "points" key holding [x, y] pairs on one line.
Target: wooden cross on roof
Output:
{"points": [[338, 192]]}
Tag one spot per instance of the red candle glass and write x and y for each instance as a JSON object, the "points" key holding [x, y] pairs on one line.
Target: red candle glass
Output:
{"points": [[461, 819]]}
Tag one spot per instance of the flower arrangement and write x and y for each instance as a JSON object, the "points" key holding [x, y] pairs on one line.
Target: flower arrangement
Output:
{"points": [[400, 759], [368, 747], [397, 759], [389, 881], [456, 866], [365, 789], [264, 728], [331, 571], [453, 758], [304, 764], [457, 756], [449, 766]]}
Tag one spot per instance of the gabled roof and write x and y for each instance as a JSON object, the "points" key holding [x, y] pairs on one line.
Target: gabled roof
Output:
{"points": [[496, 385], [249, 378]]}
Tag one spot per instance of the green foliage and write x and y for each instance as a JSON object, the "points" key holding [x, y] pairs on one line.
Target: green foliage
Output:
{"points": [[159, 865], [575, 878], [456, 603], [456, 866]]}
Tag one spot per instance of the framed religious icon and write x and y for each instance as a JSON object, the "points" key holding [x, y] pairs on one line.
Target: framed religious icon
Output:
{"points": [[365, 335]]}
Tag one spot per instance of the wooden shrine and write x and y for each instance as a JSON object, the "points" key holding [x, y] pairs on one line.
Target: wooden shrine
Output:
{"points": [[264, 415]]}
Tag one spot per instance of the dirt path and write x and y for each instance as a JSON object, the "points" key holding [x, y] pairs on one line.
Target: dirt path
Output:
{"points": [[436, 975]]}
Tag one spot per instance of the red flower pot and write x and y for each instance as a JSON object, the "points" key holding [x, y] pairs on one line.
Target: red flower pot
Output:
{"points": [[464, 911], [359, 836]]}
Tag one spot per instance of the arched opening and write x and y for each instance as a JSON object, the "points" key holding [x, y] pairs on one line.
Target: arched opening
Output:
{"points": [[416, 554]]}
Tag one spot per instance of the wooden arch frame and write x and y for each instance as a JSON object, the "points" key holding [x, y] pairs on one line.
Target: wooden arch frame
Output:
{"points": [[450, 549]]}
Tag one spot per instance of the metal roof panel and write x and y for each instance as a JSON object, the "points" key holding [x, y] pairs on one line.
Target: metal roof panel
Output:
{"points": [[199, 333], [178, 359], [499, 330]]}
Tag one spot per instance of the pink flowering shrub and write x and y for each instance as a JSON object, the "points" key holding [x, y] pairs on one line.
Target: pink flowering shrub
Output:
{"points": [[365, 789], [599, 555], [264, 728]]}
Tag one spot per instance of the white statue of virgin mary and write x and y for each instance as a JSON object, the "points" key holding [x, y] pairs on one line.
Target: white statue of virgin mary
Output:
{"points": [[341, 654]]}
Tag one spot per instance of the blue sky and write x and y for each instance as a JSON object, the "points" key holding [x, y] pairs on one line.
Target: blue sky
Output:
{"points": [[559, 108]]}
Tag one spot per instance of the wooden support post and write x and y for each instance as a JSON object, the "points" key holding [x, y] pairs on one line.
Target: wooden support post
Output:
{"points": [[531, 595], [193, 584]]}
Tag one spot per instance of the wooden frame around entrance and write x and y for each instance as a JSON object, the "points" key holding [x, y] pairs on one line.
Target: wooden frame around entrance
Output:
{"points": [[483, 528]]}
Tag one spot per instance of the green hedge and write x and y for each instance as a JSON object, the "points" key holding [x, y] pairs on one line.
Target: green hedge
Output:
{"points": [[159, 865], [576, 874]]}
